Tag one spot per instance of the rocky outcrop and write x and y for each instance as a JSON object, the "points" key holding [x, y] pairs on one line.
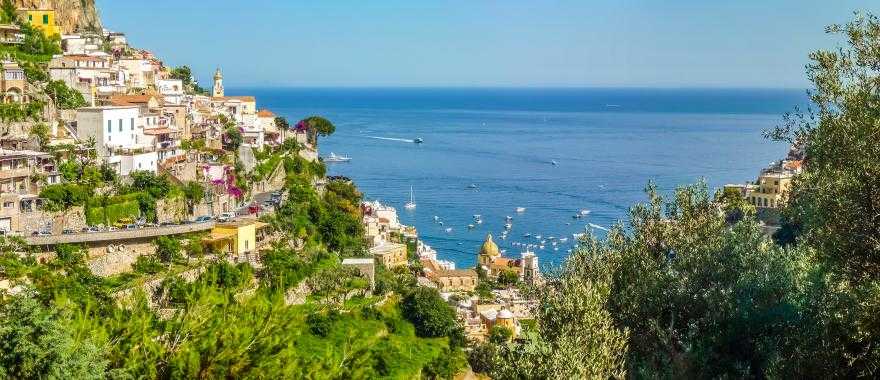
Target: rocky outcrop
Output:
{"points": [[70, 15]]}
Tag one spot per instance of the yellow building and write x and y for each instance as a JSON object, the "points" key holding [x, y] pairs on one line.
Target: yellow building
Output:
{"points": [[42, 19], [235, 238], [771, 190], [390, 254]]}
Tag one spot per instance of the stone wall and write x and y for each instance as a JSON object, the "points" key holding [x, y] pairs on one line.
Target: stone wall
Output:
{"points": [[107, 259], [171, 210]]}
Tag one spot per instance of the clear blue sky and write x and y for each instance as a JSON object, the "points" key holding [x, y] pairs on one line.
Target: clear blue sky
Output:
{"points": [[659, 43]]}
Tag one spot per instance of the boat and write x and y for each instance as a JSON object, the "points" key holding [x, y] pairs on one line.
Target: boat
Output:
{"points": [[412, 202], [436, 218], [508, 218], [538, 237], [473, 186], [585, 212], [440, 223], [477, 216], [334, 158], [449, 230], [554, 163], [508, 226], [563, 240], [527, 235], [520, 210], [418, 140], [577, 236], [479, 221], [471, 226]]}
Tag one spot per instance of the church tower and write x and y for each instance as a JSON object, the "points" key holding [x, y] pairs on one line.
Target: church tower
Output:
{"points": [[218, 84]]}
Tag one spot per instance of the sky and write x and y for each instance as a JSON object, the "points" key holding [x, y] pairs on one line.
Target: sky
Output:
{"points": [[486, 43]]}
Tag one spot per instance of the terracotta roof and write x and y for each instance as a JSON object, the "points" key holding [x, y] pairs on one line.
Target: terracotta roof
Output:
{"points": [[249, 99], [125, 100], [265, 113]]}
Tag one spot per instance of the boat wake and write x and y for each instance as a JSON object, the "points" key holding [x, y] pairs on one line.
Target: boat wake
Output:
{"points": [[598, 227], [391, 139]]}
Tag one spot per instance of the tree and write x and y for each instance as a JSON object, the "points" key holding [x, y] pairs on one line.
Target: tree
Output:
{"points": [[834, 205], [41, 132], [508, 277], [426, 310], [194, 193], [282, 123], [167, 249], [500, 335], [64, 97], [36, 343], [232, 138]]}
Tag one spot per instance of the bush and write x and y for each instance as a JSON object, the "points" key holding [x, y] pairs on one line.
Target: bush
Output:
{"points": [[167, 249], [427, 311]]}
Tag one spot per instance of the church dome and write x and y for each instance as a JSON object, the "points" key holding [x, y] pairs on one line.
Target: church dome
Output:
{"points": [[505, 314], [489, 247]]}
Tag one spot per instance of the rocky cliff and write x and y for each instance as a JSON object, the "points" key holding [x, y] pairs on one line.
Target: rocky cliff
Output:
{"points": [[70, 15]]}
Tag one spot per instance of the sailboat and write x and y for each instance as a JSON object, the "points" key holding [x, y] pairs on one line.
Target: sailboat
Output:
{"points": [[412, 202]]}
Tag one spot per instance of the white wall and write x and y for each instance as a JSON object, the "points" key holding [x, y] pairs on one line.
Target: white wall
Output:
{"points": [[132, 162], [110, 126]]}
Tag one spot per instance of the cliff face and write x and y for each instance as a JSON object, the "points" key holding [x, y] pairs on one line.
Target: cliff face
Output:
{"points": [[70, 15]]}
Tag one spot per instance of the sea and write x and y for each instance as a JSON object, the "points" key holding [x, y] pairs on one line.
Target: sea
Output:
{"points": [[573, 159]]}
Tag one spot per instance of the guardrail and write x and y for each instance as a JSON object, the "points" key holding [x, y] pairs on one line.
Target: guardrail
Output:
{"points": [[124, 234]]}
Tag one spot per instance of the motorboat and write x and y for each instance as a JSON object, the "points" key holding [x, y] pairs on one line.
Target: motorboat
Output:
{"points": [[520, 210], [585, 212], [471, 226], [436, 218], [449, 230], [418, 140], [335, 158], [477, 216], [473, 186]]}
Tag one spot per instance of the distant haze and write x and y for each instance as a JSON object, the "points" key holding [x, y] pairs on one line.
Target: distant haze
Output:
{"points": [[609, 43]]}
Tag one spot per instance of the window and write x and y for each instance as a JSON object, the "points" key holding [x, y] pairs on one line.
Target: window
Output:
{"points": [[120, 125], [109, 126], [7, 204], [31, 18], [140, 165], [45, 19], [132, 124]]}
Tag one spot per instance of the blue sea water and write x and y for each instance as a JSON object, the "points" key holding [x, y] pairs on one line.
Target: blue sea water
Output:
{"points": [[607, 143]]}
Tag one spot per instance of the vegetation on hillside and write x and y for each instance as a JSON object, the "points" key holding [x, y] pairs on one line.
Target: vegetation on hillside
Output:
{"points": [[692, 287]]}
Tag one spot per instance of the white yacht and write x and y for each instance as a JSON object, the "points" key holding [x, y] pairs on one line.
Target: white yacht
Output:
{"points": [[334, 158]]}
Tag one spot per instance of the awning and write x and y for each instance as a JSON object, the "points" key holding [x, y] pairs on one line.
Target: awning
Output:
{"points": [[157, 131]]}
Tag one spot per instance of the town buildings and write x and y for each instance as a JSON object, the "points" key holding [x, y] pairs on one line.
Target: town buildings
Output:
{"points": [[13, 83], [490, 259]]}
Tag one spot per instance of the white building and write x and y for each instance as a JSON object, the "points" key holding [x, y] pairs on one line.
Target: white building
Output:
{"points": [[119, 137], [171, 90]]}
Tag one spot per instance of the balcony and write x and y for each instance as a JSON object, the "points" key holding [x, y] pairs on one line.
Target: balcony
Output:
{"points": [[14, 173]]}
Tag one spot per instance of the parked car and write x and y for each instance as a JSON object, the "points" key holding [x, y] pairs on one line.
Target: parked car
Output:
{"points": [[254, 208], [150, 225], [226, 216], [203, 219], [112, 228], [67, 231], [131, 226], [41, 233]]}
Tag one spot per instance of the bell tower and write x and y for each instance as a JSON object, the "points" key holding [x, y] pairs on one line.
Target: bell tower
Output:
{"points": [[218, 84]]}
